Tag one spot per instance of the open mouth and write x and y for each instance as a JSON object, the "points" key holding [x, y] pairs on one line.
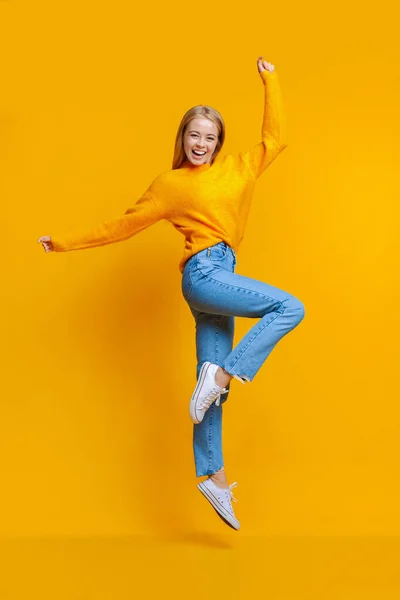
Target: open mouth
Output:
{"points": [[198, 155]]}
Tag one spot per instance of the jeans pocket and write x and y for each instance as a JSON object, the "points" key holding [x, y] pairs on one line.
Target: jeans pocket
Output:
{"points": [[217, 252]]}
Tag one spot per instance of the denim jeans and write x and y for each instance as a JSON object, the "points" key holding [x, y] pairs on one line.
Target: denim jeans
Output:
{"points": [[215, 295]]}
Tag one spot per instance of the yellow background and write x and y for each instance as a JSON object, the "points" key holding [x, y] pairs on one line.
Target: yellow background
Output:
{"points": [[98, 350]]}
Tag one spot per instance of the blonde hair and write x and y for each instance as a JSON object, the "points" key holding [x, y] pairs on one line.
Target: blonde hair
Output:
{"points": [[204, 111]]}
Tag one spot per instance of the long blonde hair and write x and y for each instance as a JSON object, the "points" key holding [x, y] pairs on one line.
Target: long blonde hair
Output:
{"points": [[204, 111]]}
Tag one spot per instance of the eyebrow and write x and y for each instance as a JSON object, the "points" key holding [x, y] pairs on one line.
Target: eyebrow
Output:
{"points": [[195, 131]]}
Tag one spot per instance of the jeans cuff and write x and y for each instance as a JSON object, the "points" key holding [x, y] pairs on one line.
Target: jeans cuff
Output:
{"points": [[242, 378]]}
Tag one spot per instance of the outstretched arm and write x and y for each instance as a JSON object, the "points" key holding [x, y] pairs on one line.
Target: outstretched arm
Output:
{"points": [[273, 131], [143, 213]]}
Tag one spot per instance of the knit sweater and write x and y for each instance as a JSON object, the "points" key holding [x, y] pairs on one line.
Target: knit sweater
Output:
{"points": [[207, 203]]}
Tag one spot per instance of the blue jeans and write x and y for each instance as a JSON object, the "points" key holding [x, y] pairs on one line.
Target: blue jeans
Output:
{"points": [[215, 295]]}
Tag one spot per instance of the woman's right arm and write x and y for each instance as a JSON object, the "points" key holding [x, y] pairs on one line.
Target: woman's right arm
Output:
{"points": [[144, 212]]}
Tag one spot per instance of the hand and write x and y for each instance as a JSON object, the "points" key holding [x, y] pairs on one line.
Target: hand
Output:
{"points": [[263, 65], [47, 244]]}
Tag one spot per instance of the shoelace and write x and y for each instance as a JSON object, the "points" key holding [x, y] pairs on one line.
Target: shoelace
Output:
{"points": [[216, 391], [229, 493], [234, 484]]}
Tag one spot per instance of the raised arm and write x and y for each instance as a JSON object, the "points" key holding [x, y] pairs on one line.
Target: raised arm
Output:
{"points": [[144, 212], [273, 130]]}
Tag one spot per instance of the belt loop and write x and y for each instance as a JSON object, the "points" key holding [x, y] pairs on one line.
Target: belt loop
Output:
{"points": [[208, 251]]}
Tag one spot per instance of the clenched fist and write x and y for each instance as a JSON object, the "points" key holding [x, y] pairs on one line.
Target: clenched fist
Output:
{"points": [[263, 65]]}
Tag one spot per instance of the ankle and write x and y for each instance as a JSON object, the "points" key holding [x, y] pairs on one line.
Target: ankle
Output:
{"points": [[222, 377], [219, 478]]}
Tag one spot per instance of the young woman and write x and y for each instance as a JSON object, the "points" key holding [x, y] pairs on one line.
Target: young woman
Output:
{"points": [[206, 196]]}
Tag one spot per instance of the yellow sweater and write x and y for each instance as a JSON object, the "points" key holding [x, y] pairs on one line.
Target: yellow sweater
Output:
{"points": [[208, 203]]}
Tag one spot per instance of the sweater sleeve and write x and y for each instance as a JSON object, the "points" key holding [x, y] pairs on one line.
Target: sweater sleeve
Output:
{"points": [[142, 214], [273, 131]]}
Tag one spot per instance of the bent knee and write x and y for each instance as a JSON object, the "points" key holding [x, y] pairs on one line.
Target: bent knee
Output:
{"points": [[300, 310], [296, 308], [300, 307]]}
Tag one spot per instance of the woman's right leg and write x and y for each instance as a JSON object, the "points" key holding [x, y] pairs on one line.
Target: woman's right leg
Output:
{"points": [[214, 341]]}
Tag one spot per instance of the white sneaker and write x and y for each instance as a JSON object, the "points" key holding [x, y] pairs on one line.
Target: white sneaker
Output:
{"points": [[220, 500], [205, 393]]}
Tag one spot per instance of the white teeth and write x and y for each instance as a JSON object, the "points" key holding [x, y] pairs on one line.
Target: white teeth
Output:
{"points": [[198, 153]]}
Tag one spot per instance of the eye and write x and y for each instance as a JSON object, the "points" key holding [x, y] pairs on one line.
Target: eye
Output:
{"points": [[210, 139]]}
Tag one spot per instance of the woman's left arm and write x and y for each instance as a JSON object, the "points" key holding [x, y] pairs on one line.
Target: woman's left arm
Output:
{"points": [[273, 131]]}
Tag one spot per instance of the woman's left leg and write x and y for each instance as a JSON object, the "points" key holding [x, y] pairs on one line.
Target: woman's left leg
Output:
{"points": [[214, 342]]}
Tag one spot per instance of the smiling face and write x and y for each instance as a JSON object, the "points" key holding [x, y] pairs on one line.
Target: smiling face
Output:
{"points": [[201, 134]]}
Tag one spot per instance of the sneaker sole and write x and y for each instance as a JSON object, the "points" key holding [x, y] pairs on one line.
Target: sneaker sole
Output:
{"points": [[220, 510], [193, 400]]}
